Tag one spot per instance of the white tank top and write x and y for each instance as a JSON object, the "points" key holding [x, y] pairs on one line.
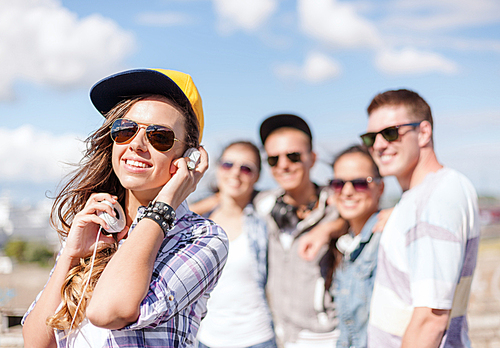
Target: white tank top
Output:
{"points": [[237, 314]]}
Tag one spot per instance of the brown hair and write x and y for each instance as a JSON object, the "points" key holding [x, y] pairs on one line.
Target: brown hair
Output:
{"points": [[361, 149], [95, 174], [417, 107]]}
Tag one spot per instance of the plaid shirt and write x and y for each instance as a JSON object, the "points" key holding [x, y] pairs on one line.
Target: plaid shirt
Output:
{"points": [[186, 270]]}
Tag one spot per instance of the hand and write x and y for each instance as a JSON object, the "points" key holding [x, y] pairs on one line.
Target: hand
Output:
{"points": [[383, 216], [183, 181], [312, 242], [85, 226]]}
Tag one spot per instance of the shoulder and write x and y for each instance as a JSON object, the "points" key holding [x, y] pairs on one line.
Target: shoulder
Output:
{"points": [[264, 201]]}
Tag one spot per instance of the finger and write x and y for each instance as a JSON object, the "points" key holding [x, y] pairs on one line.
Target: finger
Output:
{"points": [[203, 164]]}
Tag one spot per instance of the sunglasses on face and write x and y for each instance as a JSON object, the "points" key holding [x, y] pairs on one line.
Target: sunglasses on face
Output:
{"points": [[160, 137], [360, 185], [293, 157], [389, 134], [246, 169]]}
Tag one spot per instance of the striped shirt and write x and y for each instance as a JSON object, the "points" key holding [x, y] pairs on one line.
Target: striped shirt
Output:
{"points": [[427, 257], [186, 270]]}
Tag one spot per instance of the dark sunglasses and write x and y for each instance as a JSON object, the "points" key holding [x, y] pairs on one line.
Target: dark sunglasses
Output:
{"points": [[359, 185], [246, 169], [389, 133], [160, 137], [293, 157]]}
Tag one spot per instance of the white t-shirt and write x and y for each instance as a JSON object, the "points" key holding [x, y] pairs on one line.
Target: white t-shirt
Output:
{"points": [[426, 258], [237, 315]]}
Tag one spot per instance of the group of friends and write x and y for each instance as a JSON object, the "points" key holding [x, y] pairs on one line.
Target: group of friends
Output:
{"points": [[301, 265]]}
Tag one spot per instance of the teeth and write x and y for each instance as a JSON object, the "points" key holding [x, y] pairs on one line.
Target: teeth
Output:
{"points": [[385, 157], [349, 202], [137, 164]]}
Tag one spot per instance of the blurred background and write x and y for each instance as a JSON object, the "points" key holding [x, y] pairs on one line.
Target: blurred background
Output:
{"points": [[321, 59]]}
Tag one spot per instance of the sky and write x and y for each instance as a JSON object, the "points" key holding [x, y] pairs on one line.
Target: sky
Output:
{"points": [[321, 59]]}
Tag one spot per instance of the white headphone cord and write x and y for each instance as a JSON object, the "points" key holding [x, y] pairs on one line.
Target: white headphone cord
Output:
{"points": [[88, 280]]}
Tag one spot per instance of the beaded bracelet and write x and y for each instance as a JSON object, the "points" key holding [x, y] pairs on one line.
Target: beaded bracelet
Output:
{"points": [[161, 213]]}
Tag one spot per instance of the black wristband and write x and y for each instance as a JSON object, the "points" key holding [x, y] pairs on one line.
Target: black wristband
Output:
{"points": [[161, 213]]}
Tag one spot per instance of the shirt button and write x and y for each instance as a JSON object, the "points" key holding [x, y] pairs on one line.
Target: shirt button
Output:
{"points": [[170, 297]]}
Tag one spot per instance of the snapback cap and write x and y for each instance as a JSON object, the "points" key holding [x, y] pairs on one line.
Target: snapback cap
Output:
{"points": [[174, 85], [272, 123]]}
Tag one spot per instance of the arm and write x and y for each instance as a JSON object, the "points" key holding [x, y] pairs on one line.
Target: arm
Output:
{"points": [[426, 328], [205, 205], [320, 235], [383, 216], [79, 243], [125, 281]]}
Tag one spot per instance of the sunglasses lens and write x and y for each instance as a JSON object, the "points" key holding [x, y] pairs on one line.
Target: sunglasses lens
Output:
{"points": [[337, 184], [246, 169], [369, 139], [123, 130], [390, 134], [360, 184], [294, 156], [226, 165], [272, 160], [162, 138]]}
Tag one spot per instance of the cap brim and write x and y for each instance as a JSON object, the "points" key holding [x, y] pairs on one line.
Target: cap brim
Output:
{"points": [[113, 89]]}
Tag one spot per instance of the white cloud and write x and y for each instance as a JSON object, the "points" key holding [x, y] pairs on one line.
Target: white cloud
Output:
{"points": [[442, 14], [163, 19], [31, 155], [248, 15], [337, 24], [43, 42], [317, 68], [410, 61]]}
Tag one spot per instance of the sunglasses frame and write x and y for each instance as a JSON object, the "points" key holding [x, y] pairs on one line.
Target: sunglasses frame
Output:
{"points": [[273, 160], [251, 167], [148, 130], [369, 138], [354, 182]]}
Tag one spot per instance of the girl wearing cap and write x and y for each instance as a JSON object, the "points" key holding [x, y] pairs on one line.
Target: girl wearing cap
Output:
{"points": [[147, 285], [238, 314]]}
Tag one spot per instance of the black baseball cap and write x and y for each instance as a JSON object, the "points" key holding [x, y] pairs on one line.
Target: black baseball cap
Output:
{"points": [[272, 123]]}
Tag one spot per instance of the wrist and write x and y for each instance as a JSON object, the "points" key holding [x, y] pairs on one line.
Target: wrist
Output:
{"points": [[161, 213]]}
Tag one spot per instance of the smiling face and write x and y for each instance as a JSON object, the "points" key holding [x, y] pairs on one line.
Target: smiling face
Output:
{"points": [[356, 206], [236, 182], [290, 175], [140, 168], [399, 157]]}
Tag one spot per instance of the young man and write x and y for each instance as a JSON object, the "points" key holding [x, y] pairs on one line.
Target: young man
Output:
{"points": [[428, 248], [303, 311]]}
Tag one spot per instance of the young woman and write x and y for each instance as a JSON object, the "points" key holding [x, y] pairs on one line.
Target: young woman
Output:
{"points": [[149, 283], [357, 190], [238, 315]]}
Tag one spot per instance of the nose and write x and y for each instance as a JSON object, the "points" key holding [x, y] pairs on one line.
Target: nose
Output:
{"points": [[380, 142], [139, 142], [348, 189]]}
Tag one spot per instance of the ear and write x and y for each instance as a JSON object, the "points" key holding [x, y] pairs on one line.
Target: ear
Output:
{"points": [[313, 158], [425, 134]]}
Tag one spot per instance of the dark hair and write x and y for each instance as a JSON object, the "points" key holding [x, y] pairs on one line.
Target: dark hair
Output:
{"points": [[361, 149], [418, 108], [252, 148]]}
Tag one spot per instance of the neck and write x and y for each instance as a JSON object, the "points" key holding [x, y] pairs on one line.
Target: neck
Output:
{"points": [[301, 195], [427, 163], [358, 223], [133, 201]]}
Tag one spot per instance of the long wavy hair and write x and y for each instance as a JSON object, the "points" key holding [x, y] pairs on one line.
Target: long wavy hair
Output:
{"points": [[95, 174]]}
